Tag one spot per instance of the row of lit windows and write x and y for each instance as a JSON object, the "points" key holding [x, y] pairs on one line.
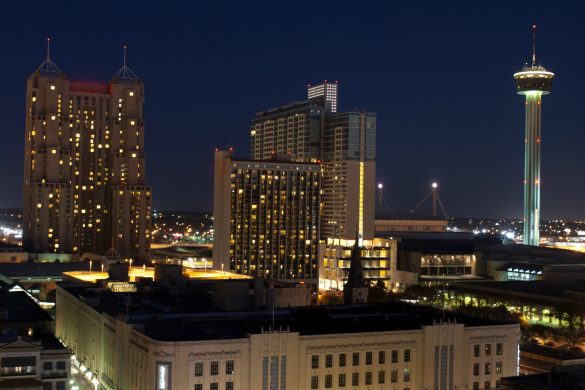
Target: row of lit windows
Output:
{"points": [[487, 368], [214, 368], [487, 349], [355, 358], [215, 386], [342, 380]]}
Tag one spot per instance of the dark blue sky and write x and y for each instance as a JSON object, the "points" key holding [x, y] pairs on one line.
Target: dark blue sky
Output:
{"points": [[439, 75]]}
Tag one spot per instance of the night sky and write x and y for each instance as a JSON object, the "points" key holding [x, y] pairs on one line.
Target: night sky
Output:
{"points": [[438, 74]]}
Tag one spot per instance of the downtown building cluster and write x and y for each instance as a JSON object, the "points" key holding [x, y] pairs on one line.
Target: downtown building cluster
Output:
{"points": [[85, 166], [293, 209], [298, 212]]}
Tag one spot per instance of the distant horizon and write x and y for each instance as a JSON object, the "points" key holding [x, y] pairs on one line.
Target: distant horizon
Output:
{"points": [[392, 211]]}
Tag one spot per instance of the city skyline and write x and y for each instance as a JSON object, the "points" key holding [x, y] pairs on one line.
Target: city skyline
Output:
{"points": [[472, 147]]}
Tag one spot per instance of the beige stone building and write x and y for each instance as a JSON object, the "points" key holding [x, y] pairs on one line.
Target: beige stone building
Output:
{"points": [[85, 167], [389, 346], [33, 363]]}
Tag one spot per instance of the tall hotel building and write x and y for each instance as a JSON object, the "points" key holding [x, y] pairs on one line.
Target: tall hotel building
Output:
{"points": [[266, 218], [85, 169], [344, 144]]}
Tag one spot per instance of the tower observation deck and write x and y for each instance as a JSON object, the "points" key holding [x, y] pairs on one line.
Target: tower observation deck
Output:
{"points": [[533, 81]]}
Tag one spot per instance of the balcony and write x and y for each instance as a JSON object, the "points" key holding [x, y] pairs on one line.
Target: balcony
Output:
{"points": [[54, 374], [17, 372]]}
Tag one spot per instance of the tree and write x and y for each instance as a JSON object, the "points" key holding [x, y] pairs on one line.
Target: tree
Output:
{"points": [[573, 336], [377, 292], [331, 298], [543, 332]]}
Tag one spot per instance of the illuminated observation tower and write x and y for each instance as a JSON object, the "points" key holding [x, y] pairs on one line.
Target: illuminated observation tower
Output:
{"points": [[532, 81]]}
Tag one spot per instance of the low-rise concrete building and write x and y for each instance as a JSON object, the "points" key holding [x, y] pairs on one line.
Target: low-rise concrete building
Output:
{"points": [[378, 262], [145, 341], [33, 363]]}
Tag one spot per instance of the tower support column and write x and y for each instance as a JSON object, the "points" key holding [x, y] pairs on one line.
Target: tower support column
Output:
{"points": [[532, 168]]}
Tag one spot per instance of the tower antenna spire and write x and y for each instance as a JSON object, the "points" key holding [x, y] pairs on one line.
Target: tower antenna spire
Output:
{"points": [[125, 49], [48, 48], [533, 45]]}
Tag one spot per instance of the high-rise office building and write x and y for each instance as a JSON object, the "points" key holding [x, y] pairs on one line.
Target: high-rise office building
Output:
{"points": [[344, 144], [85, 169], [266, 218], [349, 174], [293, 129], [328, 90], [532, 81]]}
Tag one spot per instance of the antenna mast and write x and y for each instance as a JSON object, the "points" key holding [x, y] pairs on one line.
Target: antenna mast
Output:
{"points": [[533, 45], [48, 47]]}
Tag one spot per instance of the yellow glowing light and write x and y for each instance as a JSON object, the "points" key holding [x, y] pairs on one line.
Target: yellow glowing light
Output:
{"points": [[361, 202]]}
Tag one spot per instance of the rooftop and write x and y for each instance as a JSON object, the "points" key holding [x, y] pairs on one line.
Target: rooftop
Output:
{"points": [[36, 270], [172, 318], [148, 272], [406, 216], [558, 380], [539, 291]]}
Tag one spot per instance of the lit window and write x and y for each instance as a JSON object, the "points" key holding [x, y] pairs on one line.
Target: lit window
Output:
{"points": [[131, 93], [52, 87], [198, 369]]}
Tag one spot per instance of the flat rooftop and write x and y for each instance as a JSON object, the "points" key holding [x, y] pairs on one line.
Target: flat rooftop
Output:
{"points": [[406, 216], [539, 291], [559, 380], [191, 317], [39, 270], [148, 272]]}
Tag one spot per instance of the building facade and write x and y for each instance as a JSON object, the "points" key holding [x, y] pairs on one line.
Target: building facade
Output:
{"points": [[402, 222], [328, 91], [378, 258], [85, 167], [27, 363], [344, 144], [349, 175], [293, 129], [266, 218], [392, 346]]}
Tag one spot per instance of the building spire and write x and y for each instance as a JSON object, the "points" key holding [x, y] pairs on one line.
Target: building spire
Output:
{"points": [[48, 68], [355, 289], [124, 74], [533, 45]]}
